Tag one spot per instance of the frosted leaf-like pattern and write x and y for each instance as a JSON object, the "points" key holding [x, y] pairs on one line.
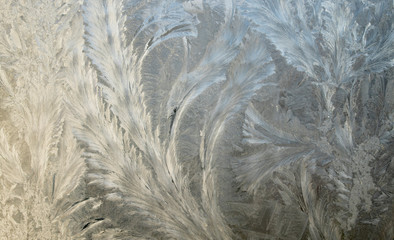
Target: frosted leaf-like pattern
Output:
{"points": [[140, 119]]}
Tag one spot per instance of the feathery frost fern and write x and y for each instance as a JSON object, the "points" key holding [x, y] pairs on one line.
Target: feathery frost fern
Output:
{"points": [[137, 119]]}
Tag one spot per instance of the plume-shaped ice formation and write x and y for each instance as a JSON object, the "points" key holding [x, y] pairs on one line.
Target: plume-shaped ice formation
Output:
{"points": [[140, 119]]}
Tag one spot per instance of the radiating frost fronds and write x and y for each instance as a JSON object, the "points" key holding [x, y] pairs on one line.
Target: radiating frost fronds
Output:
{"points": [[247, 78], [325, 38], [167, 119], [238, 90], [33, 59], [164, 24], [287, 29], [43, 112], [276, 150], [218, 55], [126, 106]]}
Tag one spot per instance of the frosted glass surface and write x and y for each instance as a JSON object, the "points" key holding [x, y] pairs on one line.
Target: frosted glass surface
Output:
{"points": [[204, 119]]}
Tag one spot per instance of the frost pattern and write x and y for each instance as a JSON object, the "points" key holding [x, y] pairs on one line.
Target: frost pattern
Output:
{"points": [[139, 119]]}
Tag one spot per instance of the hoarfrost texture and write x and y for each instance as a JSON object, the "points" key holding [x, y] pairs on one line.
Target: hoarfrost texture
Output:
{"points": [[170, 119]]}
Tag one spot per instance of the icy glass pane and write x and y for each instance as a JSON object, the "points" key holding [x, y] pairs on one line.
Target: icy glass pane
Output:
{"points": [[199, 119]]}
